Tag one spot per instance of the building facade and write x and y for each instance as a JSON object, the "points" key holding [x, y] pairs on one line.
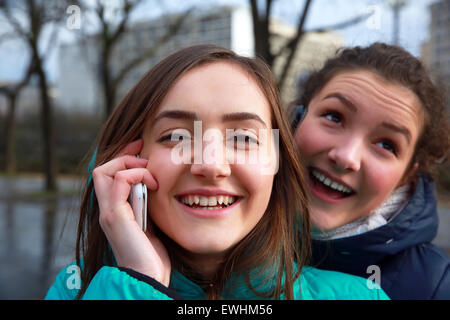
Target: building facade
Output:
{"points": [[437, 50], [79, 68]]}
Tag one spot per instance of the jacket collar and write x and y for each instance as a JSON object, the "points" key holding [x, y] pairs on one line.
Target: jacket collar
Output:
{"points": [[416, 223]]}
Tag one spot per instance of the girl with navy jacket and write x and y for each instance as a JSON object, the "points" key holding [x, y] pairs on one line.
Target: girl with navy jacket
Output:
{"points": [[371, 128]]}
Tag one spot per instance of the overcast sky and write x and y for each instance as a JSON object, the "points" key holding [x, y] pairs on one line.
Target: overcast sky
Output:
{"points": [[414, 24]]}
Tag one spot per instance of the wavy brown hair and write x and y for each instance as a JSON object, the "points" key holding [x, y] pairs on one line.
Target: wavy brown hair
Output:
{"points": [[397, 66], [278, 246]]}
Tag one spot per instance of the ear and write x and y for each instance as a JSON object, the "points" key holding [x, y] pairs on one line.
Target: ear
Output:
{"points": [[407, 177], [297, 116]]}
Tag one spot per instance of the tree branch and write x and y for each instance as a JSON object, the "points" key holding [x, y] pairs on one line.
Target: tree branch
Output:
{"points": [[14, 23], [173, 30], [128, 7], [343, 24], [292, 45]]}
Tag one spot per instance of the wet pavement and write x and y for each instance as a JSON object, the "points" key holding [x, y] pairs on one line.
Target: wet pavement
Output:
{"points": [[37, 236]]}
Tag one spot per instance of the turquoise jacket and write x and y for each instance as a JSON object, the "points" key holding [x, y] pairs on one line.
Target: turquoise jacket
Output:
{"points": [[115, 283]]}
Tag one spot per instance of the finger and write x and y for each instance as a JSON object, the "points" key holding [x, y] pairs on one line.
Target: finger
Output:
{"points": [[103, 176], [132, 148], [123, 179], [118, 164]]}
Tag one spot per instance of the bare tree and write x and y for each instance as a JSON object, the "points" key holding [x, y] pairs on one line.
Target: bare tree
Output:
{"points": [[12, 92], [28, 18], [263, 37], [110, 34]]}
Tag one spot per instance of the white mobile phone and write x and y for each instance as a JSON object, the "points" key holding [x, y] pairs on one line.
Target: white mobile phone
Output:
{"points": [[138, 202]]}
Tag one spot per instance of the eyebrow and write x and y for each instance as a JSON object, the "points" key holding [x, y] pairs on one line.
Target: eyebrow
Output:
{"points": [[176, 114], [192, 116], [398, 128], [240, 116], [344, 100]]}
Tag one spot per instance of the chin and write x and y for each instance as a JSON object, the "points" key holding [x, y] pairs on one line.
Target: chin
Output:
{"points": [[207, 246], [324, 222]]}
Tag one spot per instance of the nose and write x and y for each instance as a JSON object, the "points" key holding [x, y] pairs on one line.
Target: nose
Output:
{"points": [[346, 156], [210, 160]]}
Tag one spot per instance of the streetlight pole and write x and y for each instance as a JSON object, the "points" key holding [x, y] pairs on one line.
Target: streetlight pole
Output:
{"points": [[396, 6]]}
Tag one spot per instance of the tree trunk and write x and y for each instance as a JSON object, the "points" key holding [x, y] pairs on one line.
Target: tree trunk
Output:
{"points": [[10, 135], [107, 85], [261, 32], [47, 131], [293, 45]]}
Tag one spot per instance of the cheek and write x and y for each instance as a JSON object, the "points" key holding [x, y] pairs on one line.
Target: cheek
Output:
{"points": [[161, 167], [257, 185], [380, 181], [166, 174], [309, 140]]}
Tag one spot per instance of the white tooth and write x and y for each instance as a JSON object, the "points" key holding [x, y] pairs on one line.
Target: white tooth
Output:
{"points": [[316, 174], [196, 199], [231, 200], [191, 200], [225, 200], [330, 183], [184, 200], [319, 176], [203, 201], [212, 201], [220, 199]]}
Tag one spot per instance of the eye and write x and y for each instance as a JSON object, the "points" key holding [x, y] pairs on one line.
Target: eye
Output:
{"points": [[175, 136], [388, 145], [333, 116], [167, 137], [245, 139]]}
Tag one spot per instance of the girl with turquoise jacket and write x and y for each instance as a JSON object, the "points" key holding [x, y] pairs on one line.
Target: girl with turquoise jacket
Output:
{"points": [[226, 188]]}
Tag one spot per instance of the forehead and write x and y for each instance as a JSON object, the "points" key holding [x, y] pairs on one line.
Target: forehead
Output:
{"points": [[374, 94], [217, 88]]}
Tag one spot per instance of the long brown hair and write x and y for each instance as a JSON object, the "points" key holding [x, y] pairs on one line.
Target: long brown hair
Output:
{"points": [[282, 236]]}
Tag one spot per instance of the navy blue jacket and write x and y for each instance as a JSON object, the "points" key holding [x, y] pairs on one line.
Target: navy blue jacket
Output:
{"points": [[410, 266]]}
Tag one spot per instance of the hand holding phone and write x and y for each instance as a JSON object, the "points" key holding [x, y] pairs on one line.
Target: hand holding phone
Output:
{"points": [[113, 181]]}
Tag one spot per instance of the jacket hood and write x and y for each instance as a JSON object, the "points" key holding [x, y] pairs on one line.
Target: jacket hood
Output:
{"points": [[416, 223]]}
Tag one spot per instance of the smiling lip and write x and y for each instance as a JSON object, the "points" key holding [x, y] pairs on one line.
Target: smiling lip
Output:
{"points": [[332, 178], [208, 213], [207, 192], [318, 192]]}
